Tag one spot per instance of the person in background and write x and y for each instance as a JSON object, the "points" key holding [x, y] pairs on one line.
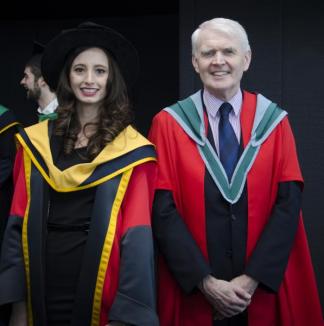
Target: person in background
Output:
{"points": [[227, 221], [36, 87], [8, 127], [80, 224]]}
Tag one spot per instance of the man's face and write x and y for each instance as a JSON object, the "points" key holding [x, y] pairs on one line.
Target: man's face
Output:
{"points": [[31, 85], [220, 61]]}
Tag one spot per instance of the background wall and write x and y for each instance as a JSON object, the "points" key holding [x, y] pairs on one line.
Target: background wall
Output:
{"points": [[288, 67], [153, 29]]}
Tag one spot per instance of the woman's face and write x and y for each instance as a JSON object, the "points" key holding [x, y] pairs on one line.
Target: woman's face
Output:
{"points": [[89, 76]]}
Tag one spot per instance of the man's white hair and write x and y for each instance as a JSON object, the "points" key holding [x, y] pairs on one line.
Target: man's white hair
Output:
{"points": [[225, 25]]}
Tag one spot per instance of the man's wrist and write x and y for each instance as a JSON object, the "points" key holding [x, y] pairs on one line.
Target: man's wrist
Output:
{"points": [[203, 285], [251, 283]]}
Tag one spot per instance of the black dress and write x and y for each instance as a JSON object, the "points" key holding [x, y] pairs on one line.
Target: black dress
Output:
{"points": [[67, 231]]}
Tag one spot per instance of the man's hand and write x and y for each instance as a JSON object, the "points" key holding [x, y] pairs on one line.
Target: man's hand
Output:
{"points": [[227, 298], [246, 282]]}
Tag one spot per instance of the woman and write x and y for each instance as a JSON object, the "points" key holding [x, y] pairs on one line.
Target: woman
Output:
{"points": [[84, 191]]}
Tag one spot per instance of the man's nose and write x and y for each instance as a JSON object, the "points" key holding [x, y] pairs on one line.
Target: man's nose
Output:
{"points": [[218, 58]]}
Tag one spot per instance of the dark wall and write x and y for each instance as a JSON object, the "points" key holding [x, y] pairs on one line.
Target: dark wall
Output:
{"points": [[287, 66], [154, 34]]}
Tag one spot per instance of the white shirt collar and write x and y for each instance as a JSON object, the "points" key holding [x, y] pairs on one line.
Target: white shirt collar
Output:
{"points": [[213, 103], [50, 108]]}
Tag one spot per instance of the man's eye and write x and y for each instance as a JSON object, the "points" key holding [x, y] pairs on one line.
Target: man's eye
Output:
{"points": [[229, 51], [207, 54]]}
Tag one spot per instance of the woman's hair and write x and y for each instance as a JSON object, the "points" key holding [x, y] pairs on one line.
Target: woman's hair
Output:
{"points": [[114, 112]]}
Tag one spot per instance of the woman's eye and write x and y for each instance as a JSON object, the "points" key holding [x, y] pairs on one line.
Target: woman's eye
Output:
{"points": [[100, 71], [78, 69]]}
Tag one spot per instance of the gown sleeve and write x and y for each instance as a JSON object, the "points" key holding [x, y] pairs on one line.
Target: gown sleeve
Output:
{"points": [[135, 303], [269, 259], [12, 272], [177, 245]]}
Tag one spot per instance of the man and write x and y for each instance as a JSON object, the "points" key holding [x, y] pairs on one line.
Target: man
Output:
{"points": [[227, 207], [36, 87]]}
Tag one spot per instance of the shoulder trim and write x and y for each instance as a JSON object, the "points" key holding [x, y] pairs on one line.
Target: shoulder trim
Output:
{"points": [[7, 119], [128, 150], [189, 114]]}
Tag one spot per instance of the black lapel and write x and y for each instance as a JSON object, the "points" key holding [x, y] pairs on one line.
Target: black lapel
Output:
{"points": [[38, 212]]}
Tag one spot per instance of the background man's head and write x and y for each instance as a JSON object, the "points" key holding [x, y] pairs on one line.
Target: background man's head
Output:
{"points": [[33, 80], [33, 77]]}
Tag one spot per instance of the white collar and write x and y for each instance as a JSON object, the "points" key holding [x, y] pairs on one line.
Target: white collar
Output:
{"points": [[50, 108]]}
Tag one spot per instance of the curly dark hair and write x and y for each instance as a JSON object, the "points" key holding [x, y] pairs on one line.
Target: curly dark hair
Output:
{"points": [[115, 113]]}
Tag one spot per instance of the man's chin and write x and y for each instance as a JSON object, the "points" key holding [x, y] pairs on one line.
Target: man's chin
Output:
{"points": [[30, 97]]}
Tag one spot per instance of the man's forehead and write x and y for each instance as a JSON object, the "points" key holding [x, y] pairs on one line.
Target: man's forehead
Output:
{"points": [[212, 39], [28, 70]]}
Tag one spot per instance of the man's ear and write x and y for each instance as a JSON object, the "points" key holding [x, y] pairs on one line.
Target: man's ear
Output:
{"points": [[41, 82], [195, 63], [247, 60]]}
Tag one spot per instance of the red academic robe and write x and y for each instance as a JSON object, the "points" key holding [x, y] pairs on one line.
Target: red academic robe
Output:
{"points": [[8, 127], [181, 170], [117, 274]]}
